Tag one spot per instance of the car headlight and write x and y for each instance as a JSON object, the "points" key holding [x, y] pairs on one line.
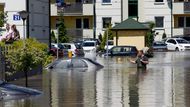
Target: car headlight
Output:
{"points": [[181, 45]]}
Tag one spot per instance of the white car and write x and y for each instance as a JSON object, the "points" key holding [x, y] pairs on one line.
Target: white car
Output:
{"points": [[177, 44], [89, 46], [110, 44], [76, 49]]}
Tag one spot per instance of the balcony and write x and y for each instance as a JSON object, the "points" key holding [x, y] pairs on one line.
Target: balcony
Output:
{"points": [[181, 31], [73, 8], [181, 8], [80, 33]]}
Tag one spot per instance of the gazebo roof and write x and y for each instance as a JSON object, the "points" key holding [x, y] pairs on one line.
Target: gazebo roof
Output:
{"points": [[130, 24]]}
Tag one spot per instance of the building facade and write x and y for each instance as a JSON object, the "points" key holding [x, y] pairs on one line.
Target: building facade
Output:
{"points": [[77, 15], [181, 17], [37, 23], [108, 12]]}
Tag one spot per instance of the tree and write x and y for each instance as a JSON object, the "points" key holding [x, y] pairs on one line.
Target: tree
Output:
{"points": [[3, 19], [26, 58], [110, 37], [150, 34], [63, 37], [53, 38]]}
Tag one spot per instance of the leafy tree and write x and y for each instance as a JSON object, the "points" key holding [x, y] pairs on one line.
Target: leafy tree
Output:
{"points": [[110, 37], [150, 34], [26, 58], [3, 17], [63, 37], [53, 38]]}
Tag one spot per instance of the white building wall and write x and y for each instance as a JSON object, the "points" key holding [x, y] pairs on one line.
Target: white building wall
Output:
{"points": [[38, 18], [112, 10], [153, 9]]}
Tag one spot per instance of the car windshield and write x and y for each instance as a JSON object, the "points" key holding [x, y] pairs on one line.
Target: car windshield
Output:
{"points": [[181, 41], [91, 44]]}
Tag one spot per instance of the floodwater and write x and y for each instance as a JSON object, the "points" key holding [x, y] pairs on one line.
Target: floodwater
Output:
{"points": [[165, 83]]}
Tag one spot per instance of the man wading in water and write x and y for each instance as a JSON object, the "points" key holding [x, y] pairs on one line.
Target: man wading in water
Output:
{"points": [[141, 60]]}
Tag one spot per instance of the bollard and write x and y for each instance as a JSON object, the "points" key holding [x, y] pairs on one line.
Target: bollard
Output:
{"points": [[70, 54]]}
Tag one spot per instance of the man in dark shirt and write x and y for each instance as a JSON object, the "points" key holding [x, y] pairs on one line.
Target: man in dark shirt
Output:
{"points": [[141, 60]]}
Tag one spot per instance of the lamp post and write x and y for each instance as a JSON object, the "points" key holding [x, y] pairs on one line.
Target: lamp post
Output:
{"points": [[24, 14]]}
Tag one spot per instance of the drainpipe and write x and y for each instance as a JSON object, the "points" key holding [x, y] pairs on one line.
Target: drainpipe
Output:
{"points": [[94, 19], [171, 17], [28, 19], [121, 10]]}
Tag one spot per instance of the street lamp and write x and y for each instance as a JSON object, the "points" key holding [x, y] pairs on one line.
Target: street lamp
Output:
{"points": [[23, 14]]}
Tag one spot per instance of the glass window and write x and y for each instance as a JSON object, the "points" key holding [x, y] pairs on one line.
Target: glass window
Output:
{"points": [[78, 23], [86, 23], [171, 41], [106, 1], [106, 21], [133, 8], [181, 22], [181, 41], [159, 21], [159, 0], [187, 21]]}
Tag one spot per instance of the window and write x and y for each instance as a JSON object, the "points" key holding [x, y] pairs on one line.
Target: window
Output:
{"points": [[106, 22], [86, 23], [159, 21], [187, 21], [159, 0], [171, 41], [133, 8], [181, 22], [106, 1], [78, 23]]}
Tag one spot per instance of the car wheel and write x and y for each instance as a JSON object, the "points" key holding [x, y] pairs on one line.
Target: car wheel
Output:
{"points": [[176, 49]]}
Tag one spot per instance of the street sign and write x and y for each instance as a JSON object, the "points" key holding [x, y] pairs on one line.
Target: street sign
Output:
{"points": [[16, 17]]}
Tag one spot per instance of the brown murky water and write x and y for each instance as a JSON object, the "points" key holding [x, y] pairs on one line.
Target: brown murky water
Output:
{"points": [[165, 83]]}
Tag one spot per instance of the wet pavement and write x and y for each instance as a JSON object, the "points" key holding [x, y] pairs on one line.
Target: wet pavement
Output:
{"points": [[165, 83]]}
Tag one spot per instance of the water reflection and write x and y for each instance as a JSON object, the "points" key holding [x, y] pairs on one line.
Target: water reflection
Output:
{"points": [[119, 84]]}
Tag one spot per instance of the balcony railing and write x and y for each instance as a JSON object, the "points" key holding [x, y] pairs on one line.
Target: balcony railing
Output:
{"points": [[186, 31], [72, 8], [75, 33]]}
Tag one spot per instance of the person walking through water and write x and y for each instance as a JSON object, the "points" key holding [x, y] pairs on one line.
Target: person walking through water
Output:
{"points": [[141, 60]]}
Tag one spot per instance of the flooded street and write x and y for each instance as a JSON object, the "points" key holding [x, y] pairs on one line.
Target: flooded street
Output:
{"points": [[165, 83]]}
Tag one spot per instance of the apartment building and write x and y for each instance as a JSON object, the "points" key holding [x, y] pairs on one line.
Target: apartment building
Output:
{"points": [[181, 17], [157, 11], [107, 12], [37, 24], [77, 15]]}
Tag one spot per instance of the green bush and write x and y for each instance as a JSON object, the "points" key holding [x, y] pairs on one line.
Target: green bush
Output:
{"points": [[25, 58]]}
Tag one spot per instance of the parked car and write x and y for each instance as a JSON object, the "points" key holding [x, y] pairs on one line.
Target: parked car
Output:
{"points": [[110, 44], [159, 46], [89, 46], [177, 44], [61, 50], [186, 37], [123, 51], [76, 49]]}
